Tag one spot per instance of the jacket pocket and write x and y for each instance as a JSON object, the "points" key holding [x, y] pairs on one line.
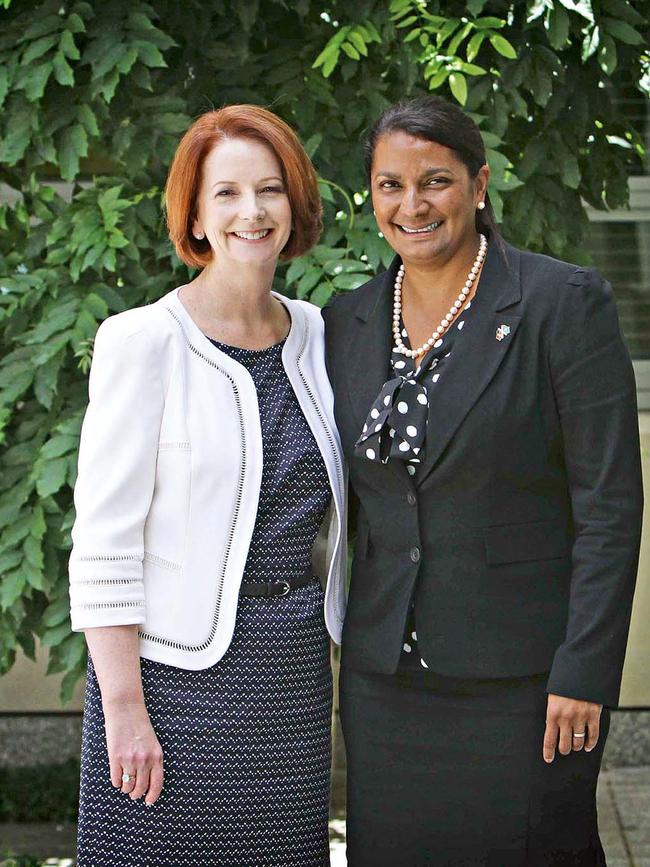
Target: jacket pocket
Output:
{"points": [[362, 542], [520, 543], [166, 524]]}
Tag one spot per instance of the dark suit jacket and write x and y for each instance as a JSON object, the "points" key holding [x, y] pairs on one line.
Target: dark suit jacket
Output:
{"points": [[520, 537]]}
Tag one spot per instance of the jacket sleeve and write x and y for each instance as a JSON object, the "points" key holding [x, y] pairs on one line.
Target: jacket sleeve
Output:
{"points": [[595, 393], [115, 482]]}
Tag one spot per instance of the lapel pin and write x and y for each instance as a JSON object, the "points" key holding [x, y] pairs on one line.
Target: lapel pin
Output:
{"points": [[502, 331]]}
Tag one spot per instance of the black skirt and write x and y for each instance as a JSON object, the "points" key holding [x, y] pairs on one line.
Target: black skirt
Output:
{"points": [[449, 771]]}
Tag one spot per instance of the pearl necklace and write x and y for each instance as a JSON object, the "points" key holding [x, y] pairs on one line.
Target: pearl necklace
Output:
{"points": [[448, 319]]}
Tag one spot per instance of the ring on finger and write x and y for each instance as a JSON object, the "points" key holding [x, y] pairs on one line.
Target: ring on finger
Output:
{"points": [[580, 734], [127, 778]]}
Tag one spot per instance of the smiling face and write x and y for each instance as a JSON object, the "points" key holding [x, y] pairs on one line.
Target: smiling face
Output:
{"points": [[242, 206], [424, 198]]}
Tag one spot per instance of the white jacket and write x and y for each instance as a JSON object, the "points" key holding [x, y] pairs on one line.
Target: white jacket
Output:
{"points": [[170, 467]]}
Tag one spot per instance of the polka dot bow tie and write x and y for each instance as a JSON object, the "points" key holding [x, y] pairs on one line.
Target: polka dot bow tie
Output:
{"points": [[397, 422]]}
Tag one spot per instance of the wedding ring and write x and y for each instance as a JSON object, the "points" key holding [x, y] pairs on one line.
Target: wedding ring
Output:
{"points": [[580, 734], [126, 778]]}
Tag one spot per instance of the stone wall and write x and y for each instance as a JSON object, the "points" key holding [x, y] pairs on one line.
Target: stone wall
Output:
{"points": [[37, 739]]}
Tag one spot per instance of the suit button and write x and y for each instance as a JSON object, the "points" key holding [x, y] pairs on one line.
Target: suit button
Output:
{"points": [[415, 554], [411, 499]]}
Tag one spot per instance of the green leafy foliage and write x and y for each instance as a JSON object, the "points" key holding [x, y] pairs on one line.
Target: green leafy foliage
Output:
{"points": [[42, 793], [94, 98]]}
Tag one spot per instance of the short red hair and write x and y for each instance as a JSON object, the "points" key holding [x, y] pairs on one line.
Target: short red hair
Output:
{"points": [[258, 124]]}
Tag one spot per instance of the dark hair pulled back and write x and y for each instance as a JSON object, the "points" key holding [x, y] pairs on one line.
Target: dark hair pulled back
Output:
{"points": [[434, 119]]}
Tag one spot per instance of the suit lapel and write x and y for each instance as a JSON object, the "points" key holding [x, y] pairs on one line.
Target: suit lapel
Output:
{"points": [[369, 348], [478, 355]]}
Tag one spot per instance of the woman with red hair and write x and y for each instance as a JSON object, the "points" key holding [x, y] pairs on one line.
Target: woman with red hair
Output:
{"points": [[208, 461]]}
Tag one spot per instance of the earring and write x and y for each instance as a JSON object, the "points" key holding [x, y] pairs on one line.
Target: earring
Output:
{"points": [[481, 206], [199, 236]]}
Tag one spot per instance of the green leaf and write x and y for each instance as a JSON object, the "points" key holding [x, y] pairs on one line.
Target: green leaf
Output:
{"points": [[57, 612], [358, 41], [72, 650], [141, 77], [474, 45], [330, 65], [75, 24], [462, 34], [68, 47], [55, 635], [590, 44], [139, 21], [490, 23], [172, 122], [62, 70], [330, 49], [351, 51], [406, 22], [15, 143], [346, 281], [46, 381], [607, 55], [570, 172], [38, 48], [27, 644], [73, 145], [149, 54], [9, 560], [51, 476], [308, 281], [471, 68], [458, 86], [312, 144], [501, 44], [41, 26], [87, 119], [11, 586], [622, 31], [35, 81], [622, 9], [62, 444], [322, 294], [582, 7], [438, 79], [96, 305], [490, 140], [557, 25], [413, 35], [125, 63], [33, 552], [37, 525], [4, 84], [295, 270], [69, 683], [109, 84], [17, 530]]}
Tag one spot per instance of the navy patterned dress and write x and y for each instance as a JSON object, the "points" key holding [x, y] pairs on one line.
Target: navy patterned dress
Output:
{"points": [[246, 742]]}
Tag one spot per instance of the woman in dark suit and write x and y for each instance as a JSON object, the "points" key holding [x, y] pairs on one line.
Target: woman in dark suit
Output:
{"points": [[486, 405]]}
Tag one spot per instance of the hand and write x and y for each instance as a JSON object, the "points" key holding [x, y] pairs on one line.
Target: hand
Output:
{"points": [[564, 718], [134, 749]]}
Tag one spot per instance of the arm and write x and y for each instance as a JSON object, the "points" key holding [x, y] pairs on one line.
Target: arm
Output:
{"points": [[116, 477], [595, 394], [113, 492], [132, 744]]}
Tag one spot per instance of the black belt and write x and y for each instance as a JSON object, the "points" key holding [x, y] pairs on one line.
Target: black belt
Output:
{"points": [[274, 588]]}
